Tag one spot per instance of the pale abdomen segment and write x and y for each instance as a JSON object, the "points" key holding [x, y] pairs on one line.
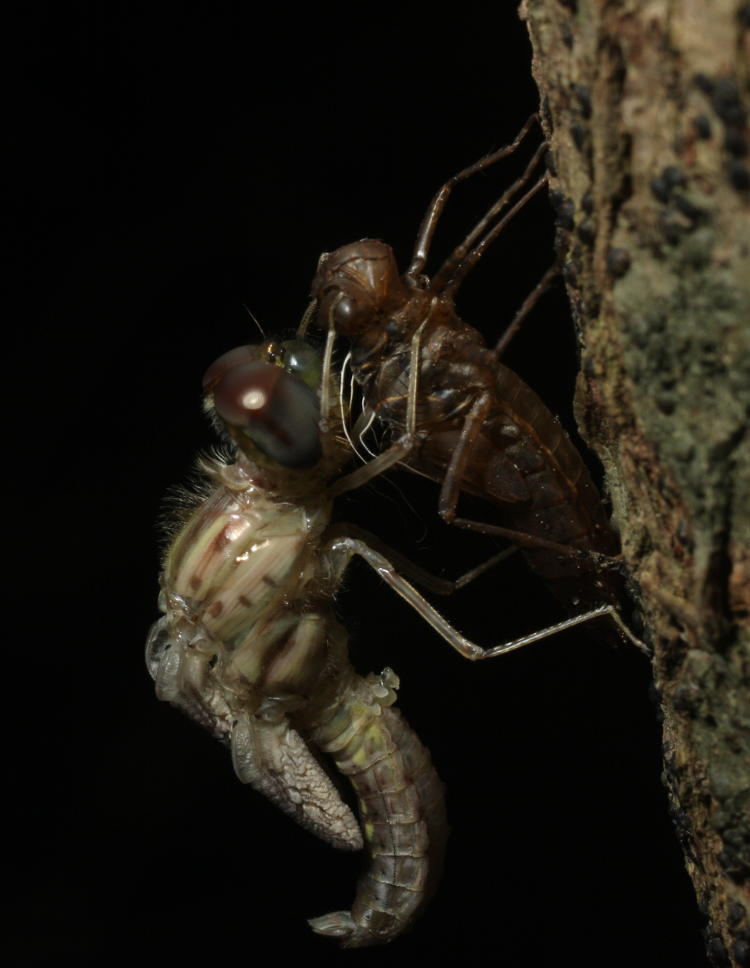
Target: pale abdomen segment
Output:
{"points": [[401, 806]]}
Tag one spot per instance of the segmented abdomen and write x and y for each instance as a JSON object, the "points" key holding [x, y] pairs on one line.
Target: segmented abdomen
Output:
{"points": [[524, 463], [401, 807], [565, 505]]}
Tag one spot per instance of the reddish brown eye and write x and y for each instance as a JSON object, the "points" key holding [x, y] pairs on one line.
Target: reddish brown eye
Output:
{"points": [[274, 409], [226, 362], [341, 309], [344, 311]]}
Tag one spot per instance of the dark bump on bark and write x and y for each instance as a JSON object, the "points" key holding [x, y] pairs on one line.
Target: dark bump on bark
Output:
{"points": [[659, 189], [570, 4], [567, 34], [586, 232], [743, 15], [702, 126], [673, 177], [587, 203], [583, 94], [618, 262], [578, 134], [624, 190], [736, 913], [704, 83], [556, 199], [727, 104], [567, 214]]}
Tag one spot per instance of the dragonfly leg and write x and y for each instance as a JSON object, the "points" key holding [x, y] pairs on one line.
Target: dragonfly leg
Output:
{"points": [[535, 541], [526, 306], [435, 210], [397, 452], [452, 274], [404, 566], [451, 486], [454, 270], [343, 549]]}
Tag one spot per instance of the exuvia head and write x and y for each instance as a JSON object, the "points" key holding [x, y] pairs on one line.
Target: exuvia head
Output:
{"points": [[355, 285], [266, 398]]}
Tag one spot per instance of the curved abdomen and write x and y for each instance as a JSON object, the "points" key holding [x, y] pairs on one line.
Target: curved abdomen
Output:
{"points": [[401, 808]]}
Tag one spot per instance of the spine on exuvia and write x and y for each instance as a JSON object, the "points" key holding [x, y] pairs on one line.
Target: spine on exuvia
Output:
{"points": [[402, 811]]}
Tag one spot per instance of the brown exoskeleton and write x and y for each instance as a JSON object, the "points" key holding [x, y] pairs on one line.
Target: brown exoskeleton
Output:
{"points": [[454, 412]]}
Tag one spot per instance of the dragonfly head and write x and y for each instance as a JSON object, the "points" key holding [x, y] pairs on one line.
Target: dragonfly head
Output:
{"points": [[266, 398]]}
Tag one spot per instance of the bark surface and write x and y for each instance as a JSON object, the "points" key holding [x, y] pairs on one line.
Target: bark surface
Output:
{"points": [[645, 105]]}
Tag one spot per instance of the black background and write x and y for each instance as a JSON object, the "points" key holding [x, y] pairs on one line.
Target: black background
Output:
{"points": [[172, 169]]}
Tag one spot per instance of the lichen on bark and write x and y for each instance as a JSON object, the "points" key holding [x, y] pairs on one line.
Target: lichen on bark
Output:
{"points": [[645, 106]]}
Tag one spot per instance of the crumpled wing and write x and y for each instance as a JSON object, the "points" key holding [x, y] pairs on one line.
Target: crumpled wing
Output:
{"points": [[182, 679], [275, 760]]}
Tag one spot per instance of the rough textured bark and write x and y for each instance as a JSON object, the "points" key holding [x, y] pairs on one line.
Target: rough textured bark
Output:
{"points": [[645, 105]]}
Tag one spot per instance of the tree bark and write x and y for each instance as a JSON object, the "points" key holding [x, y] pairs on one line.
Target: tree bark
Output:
{"points": [[645, 106]]}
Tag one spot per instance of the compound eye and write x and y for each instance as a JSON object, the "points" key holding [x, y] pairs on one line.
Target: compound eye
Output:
{"points": [[274, 409], [304, 361], [344, 311], [226, 362], [340, 310]]}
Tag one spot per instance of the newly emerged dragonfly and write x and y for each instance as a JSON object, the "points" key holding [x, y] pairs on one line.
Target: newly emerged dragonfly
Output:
{"points": [[454, 412], [248, 645]]}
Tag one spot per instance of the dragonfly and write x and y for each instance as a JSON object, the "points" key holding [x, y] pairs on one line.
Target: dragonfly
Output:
{"points": [[248, 645]]}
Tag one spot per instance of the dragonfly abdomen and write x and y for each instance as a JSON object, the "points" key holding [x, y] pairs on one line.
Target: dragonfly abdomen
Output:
{"points": [[401, 811]]}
